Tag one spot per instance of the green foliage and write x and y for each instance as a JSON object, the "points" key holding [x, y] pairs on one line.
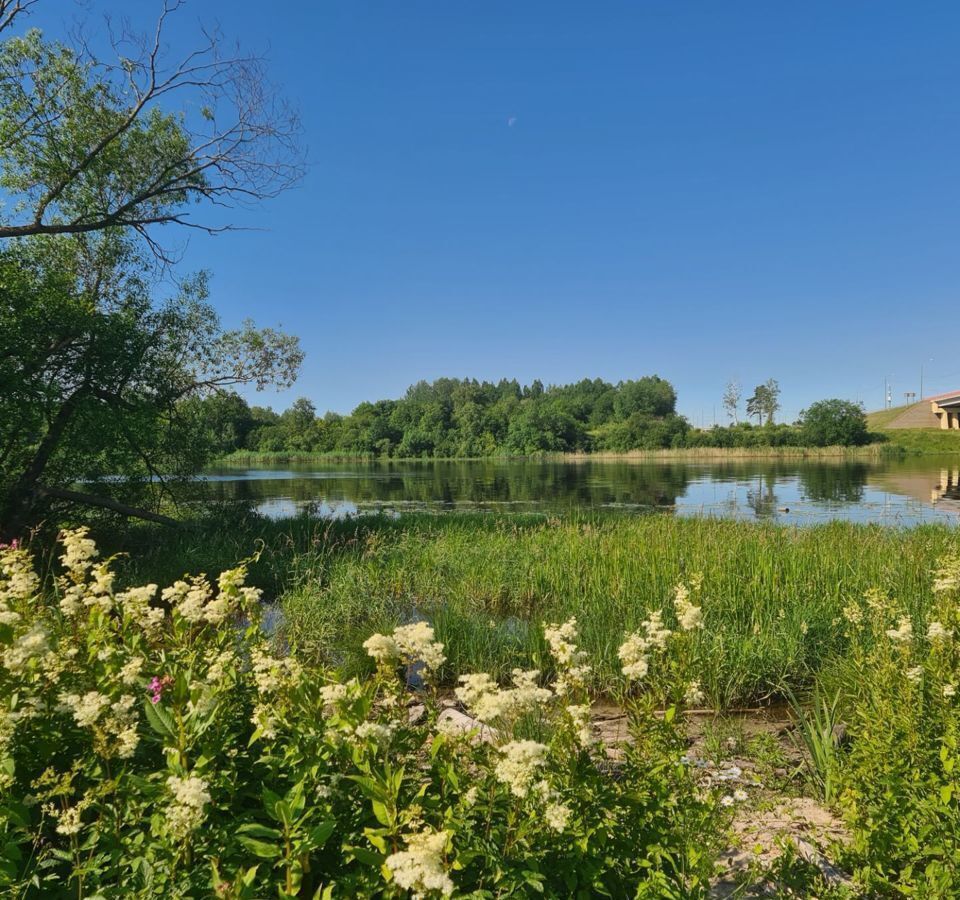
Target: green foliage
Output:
{"points": [[832, 423], [454, 418], [900, 789], [817, 725], [765, 401], [102, 382], [169, 749], [772, 594], [450, 418]]}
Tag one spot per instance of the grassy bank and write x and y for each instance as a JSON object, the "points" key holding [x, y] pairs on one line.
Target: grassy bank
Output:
{"points": [[924, 441]]}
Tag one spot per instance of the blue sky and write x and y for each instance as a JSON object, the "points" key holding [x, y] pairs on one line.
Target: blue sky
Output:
{"points": [[560, 190]]}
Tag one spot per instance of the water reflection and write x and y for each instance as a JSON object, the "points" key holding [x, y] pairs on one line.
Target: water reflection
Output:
{"points": [[904, 492]]}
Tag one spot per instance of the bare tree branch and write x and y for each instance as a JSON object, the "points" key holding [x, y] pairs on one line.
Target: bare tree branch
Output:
{"points": [[154, 137], [10, 10]]}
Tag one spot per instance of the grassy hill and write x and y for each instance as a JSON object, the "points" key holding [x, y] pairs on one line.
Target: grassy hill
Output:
{"points": [[878, 421], [912, 440]]}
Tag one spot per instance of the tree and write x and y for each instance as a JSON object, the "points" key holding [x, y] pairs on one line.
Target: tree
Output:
{"points": [[731, 400], [97, 376], [135, 141], [765, 402], [829, 423], [100, 381], [651, 396]]}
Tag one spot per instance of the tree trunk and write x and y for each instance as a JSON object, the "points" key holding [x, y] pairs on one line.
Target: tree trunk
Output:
{"points": [[15, 512], [134, 512]]}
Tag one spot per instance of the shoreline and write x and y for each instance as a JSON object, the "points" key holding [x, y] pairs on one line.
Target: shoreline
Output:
{"points": [[870, 451]]}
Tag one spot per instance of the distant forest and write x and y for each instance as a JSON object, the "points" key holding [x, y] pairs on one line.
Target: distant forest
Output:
{"points": [[467, 418]]}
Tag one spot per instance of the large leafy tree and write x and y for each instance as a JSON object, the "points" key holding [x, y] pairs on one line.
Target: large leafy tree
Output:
{"points": [[97, 375], [101, 377]]}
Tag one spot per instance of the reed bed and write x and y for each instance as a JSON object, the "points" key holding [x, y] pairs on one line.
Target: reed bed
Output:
{"points": [[773, 595]]}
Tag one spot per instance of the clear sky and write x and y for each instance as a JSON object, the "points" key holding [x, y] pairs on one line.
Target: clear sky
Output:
{"points": [[560, 190]]}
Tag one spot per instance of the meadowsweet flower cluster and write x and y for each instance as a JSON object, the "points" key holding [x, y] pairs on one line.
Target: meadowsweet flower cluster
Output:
{"points": [[693, 695], [947, 577], [18, 583], [409, 644], [903, 633], [572, 668], [519, 764], [488, 702], [420, 868], [31, 648], [86, 710], [190, 798], [636, 650], [689, 615]]}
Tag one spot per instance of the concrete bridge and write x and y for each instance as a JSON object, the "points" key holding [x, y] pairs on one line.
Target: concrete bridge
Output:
{"points": [[946, 408]]}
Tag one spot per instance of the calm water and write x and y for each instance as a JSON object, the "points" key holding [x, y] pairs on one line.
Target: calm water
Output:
{"points": [[890, 492]]}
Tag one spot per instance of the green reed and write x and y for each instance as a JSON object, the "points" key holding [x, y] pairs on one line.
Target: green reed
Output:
{"points": [[773, 595]]}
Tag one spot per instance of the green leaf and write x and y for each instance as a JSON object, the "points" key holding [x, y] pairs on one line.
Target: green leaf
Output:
{"points": [[259, 848], [255, 829], [321, 833], [160, 720]]}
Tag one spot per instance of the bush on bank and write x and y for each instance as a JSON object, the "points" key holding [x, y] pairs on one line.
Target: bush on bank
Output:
{"points": [[159, 743]]}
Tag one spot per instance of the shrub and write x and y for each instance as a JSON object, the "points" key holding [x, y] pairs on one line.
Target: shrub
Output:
{"points": [[159, 743], [900, 791], [834, 423]]}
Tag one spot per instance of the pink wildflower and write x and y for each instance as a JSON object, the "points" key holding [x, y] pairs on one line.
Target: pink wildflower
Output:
{"points": [[157, 686]]}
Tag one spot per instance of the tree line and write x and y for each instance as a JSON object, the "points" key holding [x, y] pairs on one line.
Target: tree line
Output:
{"points": [[450, 418]]}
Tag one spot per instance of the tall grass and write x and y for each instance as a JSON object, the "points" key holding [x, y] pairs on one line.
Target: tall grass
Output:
{"points": [[773, 595]]}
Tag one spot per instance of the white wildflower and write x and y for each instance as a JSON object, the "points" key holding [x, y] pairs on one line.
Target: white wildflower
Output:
{"points": [[33, 644], [20, 582], [689, 615], [382, 648], [561, 639], [420, 868], [949, 690], [86, 710], [78, 550], [332, 694], [135, 603], [580, 714], [693, 696], [903, 633], [914, 674], [519, 763], [557, 816], [416, 642], [634, 655], [375, 732], [185, 814], [936, 632]]}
